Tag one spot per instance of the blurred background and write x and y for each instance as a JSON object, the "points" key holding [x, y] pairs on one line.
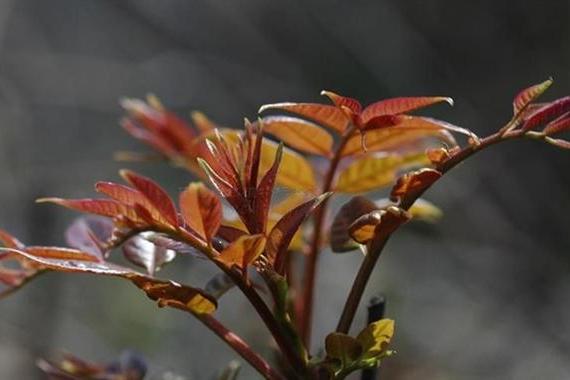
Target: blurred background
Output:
{"points": [[483, 294]]}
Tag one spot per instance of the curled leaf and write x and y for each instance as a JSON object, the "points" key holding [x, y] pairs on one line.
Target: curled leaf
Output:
{"points": [[437, 156], [384, 221], [358, 206], [414, 183]]}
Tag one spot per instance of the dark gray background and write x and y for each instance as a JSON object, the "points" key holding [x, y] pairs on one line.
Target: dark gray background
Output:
{"points": [[482, 295]]}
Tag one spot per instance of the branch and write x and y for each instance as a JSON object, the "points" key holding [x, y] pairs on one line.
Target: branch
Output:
{"points": [[379, 241]]}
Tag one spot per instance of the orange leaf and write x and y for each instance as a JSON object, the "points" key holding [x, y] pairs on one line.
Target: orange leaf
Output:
{"points": [[414, 183], [328, 116], [201, 210], [396, 106], [528, 95], [438, 155], [362, 229], [167, 293], [299, 134], [244, 251], [408, 132], [157, 197], [295, 172]]}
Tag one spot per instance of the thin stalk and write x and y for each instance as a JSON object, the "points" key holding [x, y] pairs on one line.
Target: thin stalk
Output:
{"points": [[305, 302], [379, 241], [240, 346]]}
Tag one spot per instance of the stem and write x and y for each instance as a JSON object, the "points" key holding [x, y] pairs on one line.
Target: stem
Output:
{"points": [[241, 347], [380, 239], [305, 302], [295, 360]]}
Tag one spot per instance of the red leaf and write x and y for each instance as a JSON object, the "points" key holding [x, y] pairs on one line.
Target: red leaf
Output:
{"points": [[414, 183], [325, 115], [234, 197], [282, 233], [547, 113], [157, 197], [382, 121], [201, 210], [528, 95], [132, 197], [396, 106], [104, 207], [265, 191], [344, 102]]}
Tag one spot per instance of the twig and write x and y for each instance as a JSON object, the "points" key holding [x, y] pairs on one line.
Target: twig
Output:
{"points": [[380, 239]]}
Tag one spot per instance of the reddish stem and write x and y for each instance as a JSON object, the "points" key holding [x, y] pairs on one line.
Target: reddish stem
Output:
{"points": [[306, 301]]}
